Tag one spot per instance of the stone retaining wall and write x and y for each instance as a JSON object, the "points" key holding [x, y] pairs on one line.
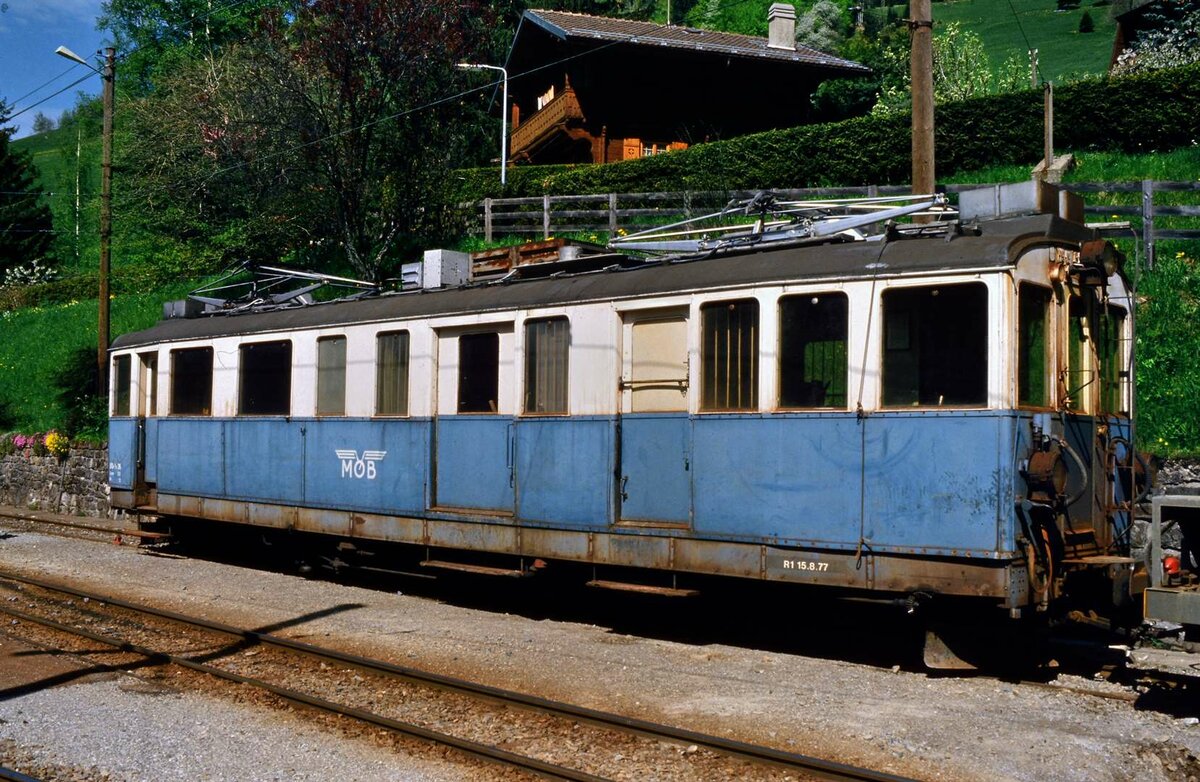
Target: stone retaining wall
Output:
{"points": [[76, 485]]}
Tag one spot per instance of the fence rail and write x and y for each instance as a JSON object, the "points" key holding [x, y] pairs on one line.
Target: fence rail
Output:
{"points": [[610, 212]]}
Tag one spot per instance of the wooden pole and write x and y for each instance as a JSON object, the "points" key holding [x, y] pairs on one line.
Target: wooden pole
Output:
{"points": [[921, 25], [1048, 119]]}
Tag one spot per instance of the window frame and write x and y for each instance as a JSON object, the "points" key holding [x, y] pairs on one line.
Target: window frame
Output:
{"points": [[889, 342], [565, 368], [329, 339], [755, 351], [241, 378], [174, 376], [1050, 343], [122, 393], [779, 369], [459, 376], [407, 368]]}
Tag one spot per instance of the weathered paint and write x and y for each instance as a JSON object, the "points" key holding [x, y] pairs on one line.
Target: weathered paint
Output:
{"points": [[656, 474], [935, 483], [122, 452], [474, 462]]}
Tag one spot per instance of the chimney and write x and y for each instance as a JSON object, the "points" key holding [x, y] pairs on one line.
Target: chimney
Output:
{"points": [[781, 26]]}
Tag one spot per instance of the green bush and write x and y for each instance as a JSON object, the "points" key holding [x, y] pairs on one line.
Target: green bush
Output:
{"points": [[1152, 111]]}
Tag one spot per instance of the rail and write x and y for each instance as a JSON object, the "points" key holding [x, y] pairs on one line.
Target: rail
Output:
{"points": [[629, 725], [610, 213]]}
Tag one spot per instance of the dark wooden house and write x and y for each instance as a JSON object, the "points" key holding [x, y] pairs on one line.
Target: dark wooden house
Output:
{"points": [[591, 89]]}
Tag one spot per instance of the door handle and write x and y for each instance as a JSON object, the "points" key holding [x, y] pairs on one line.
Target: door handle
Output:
{"points": [[624, 483]]}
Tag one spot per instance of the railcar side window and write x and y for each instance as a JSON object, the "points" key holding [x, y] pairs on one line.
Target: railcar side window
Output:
{"points": [[547, 344], [191, 381], [813, 331], [1113, 361], [265, 378], [478, 373], [121, 380], [148, 404], [1079, 375], [935, 345], [1033, 348], [391, 373], [729, 355], [331, 376]]}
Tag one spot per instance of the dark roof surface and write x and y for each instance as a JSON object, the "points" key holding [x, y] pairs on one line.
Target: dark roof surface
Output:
{"points": [[996, 247], [566, 25]]}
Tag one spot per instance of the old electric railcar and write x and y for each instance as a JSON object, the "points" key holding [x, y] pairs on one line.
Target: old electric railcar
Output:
{"points": [[939, 414]]}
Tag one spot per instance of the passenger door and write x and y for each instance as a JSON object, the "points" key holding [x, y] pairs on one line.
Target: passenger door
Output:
{"points": [[654, 429], [473, 432]]}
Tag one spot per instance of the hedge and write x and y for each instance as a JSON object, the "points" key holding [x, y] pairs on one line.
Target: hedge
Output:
{"points": [[1138, 113]]}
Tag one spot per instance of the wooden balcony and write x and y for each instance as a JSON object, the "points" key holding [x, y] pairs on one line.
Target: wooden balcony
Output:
{"points": [[556, 116]]}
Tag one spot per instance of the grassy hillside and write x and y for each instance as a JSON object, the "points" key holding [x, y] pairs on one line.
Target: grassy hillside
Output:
{"points": [[54, 155], [1062, 50], [39, 341]]}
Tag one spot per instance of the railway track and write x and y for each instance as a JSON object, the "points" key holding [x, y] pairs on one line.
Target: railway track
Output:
{"points": [[767, 759]]}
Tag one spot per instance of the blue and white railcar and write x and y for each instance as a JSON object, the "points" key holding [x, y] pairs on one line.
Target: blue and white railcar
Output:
{"points": [[944, 412]]}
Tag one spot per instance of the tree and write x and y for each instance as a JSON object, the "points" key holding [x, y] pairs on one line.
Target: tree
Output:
{"points": [[26, 229], [1086, 24], [821, 26], [326, 140], [42, 123], [961, 69]]}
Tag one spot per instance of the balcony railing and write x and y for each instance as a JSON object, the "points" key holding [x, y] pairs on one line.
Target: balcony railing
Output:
{"points": [[563, 108]]}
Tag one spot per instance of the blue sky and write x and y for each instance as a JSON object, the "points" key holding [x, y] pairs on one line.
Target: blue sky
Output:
{"points": [[30, 31]]}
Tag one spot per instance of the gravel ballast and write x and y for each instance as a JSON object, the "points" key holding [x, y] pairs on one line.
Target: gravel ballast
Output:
{"points": [[890, 720]]}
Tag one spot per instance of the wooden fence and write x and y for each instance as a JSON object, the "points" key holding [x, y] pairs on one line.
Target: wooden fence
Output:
{"points": [[547, 216]]}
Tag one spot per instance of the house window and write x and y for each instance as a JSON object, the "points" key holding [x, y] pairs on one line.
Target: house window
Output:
{"points": [[331, 376], [1033, 349], [391, 373], [121, 382], [813, 332], [729, 355], [935, 345], [191, 381], [265, 381], [547, 344], [478, 373]]}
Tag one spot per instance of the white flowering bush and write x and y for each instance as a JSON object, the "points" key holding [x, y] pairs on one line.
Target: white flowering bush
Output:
{"points": [[1170, 46], [32, 273]]}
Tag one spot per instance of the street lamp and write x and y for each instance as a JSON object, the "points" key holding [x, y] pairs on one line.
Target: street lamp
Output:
{"points": [[470, 66], [102, 331]]}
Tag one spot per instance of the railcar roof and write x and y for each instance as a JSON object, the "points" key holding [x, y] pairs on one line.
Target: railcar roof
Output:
{"points": [[997, 245]]}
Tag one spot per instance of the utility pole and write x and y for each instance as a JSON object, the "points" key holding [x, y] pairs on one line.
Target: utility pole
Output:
{"points": [[107, 75], [78, 155], [1048, 119], [102, 330], [921, 27], [1033, 68]]}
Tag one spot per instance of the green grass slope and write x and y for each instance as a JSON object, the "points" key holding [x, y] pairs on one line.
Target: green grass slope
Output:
{"points": [[1010, 27]]}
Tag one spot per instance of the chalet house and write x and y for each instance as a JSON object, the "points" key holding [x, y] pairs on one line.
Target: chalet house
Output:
{"points": [[591, 89]]}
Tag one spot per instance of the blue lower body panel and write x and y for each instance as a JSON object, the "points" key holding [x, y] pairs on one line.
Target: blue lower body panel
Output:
{"points": [[656, 474], [122, 452], [474, 463], [565, 471], [919, 482]]}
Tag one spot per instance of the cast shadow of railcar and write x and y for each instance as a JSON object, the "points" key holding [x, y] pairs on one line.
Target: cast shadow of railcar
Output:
{"points": [[766, 617]]}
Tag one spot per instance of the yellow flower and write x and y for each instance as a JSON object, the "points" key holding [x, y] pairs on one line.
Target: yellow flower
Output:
{"points": [[57, 444]]}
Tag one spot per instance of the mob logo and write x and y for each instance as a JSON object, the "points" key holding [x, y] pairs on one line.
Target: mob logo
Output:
{"points": [[355, 466]]}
